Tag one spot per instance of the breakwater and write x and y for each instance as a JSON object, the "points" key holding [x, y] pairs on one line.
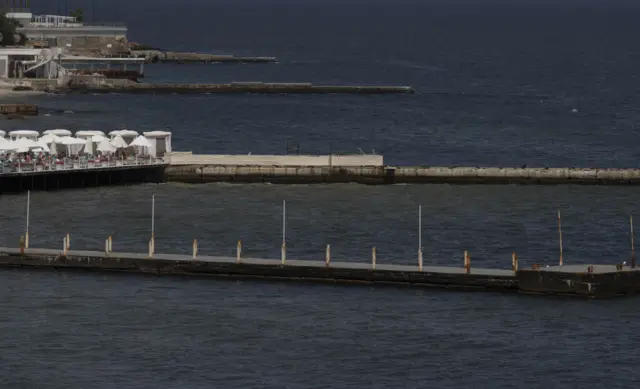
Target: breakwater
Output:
{"points": [[19, 109], [115, 85], [592, 281], [155, 56], [194, 170]]}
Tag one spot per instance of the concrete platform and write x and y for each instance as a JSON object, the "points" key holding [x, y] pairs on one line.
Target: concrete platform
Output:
{"points": [[369, 170], [576, 280], [30, 178], [341, 272]]}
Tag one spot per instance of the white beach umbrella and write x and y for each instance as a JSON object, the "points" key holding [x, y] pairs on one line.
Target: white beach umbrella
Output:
{"points": [[106, 147], [43, 145], [140, 141], [69, 140], [52, 148], [49, 138], [119, 143], [98, 138], [25, 143]]}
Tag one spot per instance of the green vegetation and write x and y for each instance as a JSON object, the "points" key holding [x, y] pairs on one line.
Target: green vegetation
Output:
{"points": [[78, 14]]}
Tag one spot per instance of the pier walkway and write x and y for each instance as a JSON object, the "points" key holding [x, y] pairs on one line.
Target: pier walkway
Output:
{"points": [[577, 280]]}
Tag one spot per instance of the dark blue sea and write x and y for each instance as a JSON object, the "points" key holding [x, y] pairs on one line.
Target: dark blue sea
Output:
{"points": [[496, 85]]}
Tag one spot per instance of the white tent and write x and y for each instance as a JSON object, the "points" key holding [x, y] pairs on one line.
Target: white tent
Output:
{"points": [[119, 143], [106, 147], [17, 134], [52, 148], [58, 131], [99, 138], [74, 145], [2, 134], [160, 142]]}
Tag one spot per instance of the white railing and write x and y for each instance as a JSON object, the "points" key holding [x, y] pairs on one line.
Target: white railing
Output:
{"points": [[67, 164]]}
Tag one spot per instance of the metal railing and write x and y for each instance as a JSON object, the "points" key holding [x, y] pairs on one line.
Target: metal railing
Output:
{"points": [[68, 164], [75, 25]]}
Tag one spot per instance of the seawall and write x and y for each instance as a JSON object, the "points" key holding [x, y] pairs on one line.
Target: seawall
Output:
{"points": [[289, 170]]}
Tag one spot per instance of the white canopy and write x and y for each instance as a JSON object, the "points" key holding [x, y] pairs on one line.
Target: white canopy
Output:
{"points": [[124, 133], [58, 131], [156, 134], [49, 138], [3, 133], [52, 148], [23, 134], [69, 140], [85, 134], [106, 147], [140, 141], [119, 143]]}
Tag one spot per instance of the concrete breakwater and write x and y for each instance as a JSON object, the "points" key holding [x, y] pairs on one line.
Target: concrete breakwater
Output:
{"points": [[153, 56], [120, 86], [19, 109], [369, 169], [577, 280]]}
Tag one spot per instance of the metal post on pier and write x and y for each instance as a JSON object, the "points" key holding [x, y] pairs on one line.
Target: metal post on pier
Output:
{"points": [[327, 256], [283, 253], [467, 262], [64, 246], [420, 238], [110, 244], [560, 236], [514, 262], [633, 242], [195, 248], [239, 251], [152, 241], [373, 258], [26, 232], [68, 241]]}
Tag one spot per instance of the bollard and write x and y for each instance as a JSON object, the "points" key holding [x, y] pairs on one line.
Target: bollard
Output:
{"points": [[110, 244], [26, 239], [420, 259], [327, 256], [514, 262], [467, 262], [238, 251], [195, 248], [373, 258], [68, 241], [64, 246], [283, 254]]}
